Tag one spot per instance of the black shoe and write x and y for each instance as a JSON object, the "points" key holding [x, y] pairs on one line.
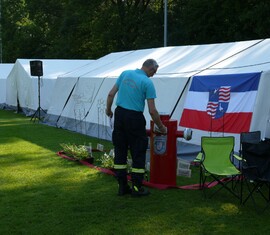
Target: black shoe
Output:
{"points": [[139, 191], [122, 190]]}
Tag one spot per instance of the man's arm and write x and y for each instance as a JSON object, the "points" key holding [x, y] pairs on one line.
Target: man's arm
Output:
{"points": [[110, 99], [155, 116]]}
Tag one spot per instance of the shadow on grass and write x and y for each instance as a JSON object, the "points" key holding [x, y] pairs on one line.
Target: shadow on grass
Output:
{"points": [[45, 136]]}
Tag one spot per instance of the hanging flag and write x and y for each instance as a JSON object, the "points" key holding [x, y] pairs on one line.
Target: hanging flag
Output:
{"points": [[221, 103]]}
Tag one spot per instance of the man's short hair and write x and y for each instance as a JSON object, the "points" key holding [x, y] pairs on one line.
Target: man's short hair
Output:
{"points": [[150, 63]]}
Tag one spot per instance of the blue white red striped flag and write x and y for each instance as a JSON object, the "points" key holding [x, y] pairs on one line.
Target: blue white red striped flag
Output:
{"points": [[221, 102]]}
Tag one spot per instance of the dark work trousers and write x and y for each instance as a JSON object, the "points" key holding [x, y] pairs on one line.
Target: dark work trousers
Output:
{"points": [[130, 134]]}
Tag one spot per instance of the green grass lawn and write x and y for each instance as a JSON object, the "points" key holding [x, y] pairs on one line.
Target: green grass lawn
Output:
{"points": [[41, 193]]}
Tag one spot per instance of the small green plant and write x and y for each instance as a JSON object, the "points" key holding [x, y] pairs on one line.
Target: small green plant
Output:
{"points": [[106, 160], [78, 152]]}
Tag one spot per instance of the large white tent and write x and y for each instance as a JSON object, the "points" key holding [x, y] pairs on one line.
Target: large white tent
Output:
{"points": [[4, 72], [22, 88], [254, 58], [81, 107]]}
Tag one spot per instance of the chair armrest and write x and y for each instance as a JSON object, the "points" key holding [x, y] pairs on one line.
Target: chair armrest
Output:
{"points": [[239, 158], [198, 157]]}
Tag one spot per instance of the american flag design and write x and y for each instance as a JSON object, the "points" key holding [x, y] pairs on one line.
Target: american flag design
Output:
{"points": [[218, 102]]}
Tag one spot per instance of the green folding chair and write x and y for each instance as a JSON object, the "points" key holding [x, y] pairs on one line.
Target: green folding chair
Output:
{"points": [[216, 164]]}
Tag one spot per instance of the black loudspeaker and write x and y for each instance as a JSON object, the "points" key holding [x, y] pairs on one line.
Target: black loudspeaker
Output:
{"points": [[36, 68]]}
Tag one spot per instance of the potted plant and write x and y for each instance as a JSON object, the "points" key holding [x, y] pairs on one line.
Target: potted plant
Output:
{"points": [[78, 152], [106, 161]]}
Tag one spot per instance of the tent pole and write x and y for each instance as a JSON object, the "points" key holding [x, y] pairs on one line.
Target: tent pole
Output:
{"points": [[179, 98], [165, 22]]}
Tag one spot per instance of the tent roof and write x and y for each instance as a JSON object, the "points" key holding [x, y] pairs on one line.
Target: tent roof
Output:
{"points": [[52, 68], [253, 59], [103, 63], [185, 61]]}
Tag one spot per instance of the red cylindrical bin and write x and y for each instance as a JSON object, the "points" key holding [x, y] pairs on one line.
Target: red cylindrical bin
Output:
{"points": [[163, 153]]}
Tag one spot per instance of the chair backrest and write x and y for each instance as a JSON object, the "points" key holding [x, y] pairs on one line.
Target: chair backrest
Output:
{"points": [[252, 137], [257, 155], [217, 153]]}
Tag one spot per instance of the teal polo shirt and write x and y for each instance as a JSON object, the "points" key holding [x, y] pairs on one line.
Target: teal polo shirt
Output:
{"points": [[134, 87]]}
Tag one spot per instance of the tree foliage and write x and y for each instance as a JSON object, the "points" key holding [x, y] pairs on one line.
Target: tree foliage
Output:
{"points": [[89, 29]]}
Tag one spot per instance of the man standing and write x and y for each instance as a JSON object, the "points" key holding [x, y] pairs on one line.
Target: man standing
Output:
{"points": [[133, 87]]}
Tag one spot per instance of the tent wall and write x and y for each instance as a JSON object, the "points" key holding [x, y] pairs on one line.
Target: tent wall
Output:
{"points": [[60, 95], [169, 90], [2, 91], [85, 109], [80, 105], [22, 88], [19, 90], [178, 65], [4, 72], [261, 113]]}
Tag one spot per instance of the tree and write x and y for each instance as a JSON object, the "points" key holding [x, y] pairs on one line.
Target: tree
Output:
{"points": [[223, 21], [84, 29], [125, 25]]}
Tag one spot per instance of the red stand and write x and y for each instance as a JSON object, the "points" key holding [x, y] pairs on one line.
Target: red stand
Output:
{"points": [[163, 153]]}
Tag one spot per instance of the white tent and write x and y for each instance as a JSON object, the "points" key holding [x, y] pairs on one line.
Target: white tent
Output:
{"points": [[61, 105], [4, 72], [82, 106], [254, 58], [22, 88]]}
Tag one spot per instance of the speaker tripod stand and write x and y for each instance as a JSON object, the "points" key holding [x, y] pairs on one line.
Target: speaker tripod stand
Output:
{"points": [[37, 115]]}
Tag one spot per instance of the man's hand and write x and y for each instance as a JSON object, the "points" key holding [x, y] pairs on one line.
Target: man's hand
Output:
{"points": [[109, 113], [161, 130]]}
